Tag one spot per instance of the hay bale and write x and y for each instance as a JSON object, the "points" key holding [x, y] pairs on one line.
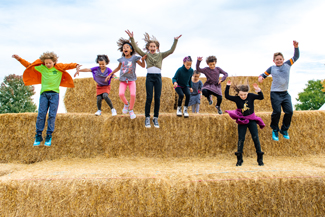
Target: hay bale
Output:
{"points": [[82, 98]]}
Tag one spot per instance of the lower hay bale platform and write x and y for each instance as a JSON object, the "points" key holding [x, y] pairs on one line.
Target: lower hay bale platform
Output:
{"points": [[285, 186]]}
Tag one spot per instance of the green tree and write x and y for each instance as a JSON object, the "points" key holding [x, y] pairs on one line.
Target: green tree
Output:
{"points": [[312, 98], [15, 97]]}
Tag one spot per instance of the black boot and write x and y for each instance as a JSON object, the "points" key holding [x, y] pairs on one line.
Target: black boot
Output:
{"points": [[239, 158], [260, 158]]}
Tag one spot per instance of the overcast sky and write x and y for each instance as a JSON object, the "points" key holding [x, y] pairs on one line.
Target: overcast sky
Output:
{"points": [[243, 35]]}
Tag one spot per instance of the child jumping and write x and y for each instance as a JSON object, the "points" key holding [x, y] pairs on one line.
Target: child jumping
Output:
{"points": [[212, 86], [183, 85], [127, 65], [279, 92], [153, 80], [246, 118], [103, 86], [195, 99], [50, 74]]}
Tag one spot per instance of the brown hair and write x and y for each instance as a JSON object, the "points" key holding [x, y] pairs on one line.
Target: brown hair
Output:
{"points": [[277, 54], [236, 86], [121, 42], [195, 72], [150, 40], [211, 59], [49, 55]]}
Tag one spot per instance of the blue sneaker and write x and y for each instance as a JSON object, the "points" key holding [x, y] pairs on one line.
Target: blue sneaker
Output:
{"points": [[48, 140], [38, 140], [275, 135], [285, 134]]}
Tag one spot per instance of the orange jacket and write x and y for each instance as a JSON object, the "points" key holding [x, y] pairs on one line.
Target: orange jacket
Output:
{"points": [[31, 76]]}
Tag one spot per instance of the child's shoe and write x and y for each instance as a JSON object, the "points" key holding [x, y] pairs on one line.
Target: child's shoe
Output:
{"points": [[219, 110], [147, 122], [132, 115], [239, 158], [38, 140], [285, 134], [99, 112], [260, 158], [113, 110], [155, 122], [48, 140], [186, 115], [210, 100], [275, 135], [125, 109], [179, 111]]}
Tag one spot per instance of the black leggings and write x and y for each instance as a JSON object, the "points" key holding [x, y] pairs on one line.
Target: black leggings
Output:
{"points": [[181, 91], [107, 99], [153, 81], [208, 93], [242, 128]]}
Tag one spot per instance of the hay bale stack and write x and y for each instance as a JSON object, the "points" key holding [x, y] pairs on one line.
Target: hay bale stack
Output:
{"points": [[202, 135], [82, 98]]}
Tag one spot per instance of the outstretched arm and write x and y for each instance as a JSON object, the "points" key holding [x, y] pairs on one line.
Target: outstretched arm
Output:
{"points": [[141, 62], [172, 49], [113, 72], [81, 70], [21, 60], [135, 46], [231, 98], [199, 59]]}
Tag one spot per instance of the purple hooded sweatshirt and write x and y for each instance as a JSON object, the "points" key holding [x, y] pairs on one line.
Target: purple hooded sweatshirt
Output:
{"points": [[241, 119]]}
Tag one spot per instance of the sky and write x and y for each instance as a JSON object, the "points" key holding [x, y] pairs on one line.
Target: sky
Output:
{"points": [[243, 35]]}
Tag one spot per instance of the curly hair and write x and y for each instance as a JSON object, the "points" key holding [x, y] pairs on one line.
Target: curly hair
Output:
{"points": [[277, 54], [150, 40], [236, 86], [211, 59], [121, 42], [49, 55], [102, 57]]}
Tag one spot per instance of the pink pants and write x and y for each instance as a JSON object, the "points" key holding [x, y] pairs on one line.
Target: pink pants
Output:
{"points": [[132, 88]]}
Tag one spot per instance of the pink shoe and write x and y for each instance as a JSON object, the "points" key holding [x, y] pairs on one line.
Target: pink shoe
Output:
{"points": [[132, 115], [125, 109]]}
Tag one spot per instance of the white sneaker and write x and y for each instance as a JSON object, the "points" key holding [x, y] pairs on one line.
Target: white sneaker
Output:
{"points": [[186, 115], [132, 115], [179, 111], [113, 112], [125, 109], [99, 112]]}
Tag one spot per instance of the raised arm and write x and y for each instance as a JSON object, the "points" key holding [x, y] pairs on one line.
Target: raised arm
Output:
{"points": [[135, 46], [231, 98], [172, 49], [259, 95], [295, 55], [199, 59], [21, 60]]}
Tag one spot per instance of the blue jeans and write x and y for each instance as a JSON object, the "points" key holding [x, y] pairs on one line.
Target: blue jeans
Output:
{"points": [[49, 101]]}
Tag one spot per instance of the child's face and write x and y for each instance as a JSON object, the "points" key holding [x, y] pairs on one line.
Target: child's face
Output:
{"points": [[278, 60], [196, 77], [243, 95], [188, 65], [49, 63], [127, 50], [102, 65], [152, 48], [212, 65]]}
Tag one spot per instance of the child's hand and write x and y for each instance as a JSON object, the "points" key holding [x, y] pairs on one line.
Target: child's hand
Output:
{"points": [[295, 44], [16, 57], [108, 77], [144, 57], [191, 90], [175, 84], [77, 73], [130, 34], [257, 89], [178, 37], [260, 79], [199, 58], [219, 82], [229, 82], [77, 70]]}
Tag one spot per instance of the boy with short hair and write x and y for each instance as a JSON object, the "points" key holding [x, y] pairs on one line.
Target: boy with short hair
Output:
{"points": [[279, 92], [50, 75]]}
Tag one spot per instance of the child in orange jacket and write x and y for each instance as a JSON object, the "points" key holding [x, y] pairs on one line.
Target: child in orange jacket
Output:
{"points": [[50, 74]]}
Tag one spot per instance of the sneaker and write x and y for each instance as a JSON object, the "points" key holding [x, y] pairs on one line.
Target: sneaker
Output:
{"points": [[210, 100], [147, 122], [113, 110], [132, 115], [219, 110], [275, 135], [155, 122], [125, 109], [99, 112], [285, 134], [48, 140], [179, 111], [185, 112], [38, 140]]}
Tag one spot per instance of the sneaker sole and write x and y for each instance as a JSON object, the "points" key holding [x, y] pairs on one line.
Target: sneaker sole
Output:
{"points": [[132, 117], [156, 126], [179, 115], [148, 126], [186, 116]]}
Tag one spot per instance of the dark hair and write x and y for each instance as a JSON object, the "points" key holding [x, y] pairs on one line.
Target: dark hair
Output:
{"points": [[211, 59], [150, 40], [239, 87], [277, 54], [102, 57], [187, 59], [121, 42], [195, 72]]}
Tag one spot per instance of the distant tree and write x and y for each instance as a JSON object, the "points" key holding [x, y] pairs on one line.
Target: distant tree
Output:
{"points": [[15, 97], [312, 98]]}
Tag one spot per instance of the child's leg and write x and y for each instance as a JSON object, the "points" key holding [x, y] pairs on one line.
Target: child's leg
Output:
{"points": [[108, 100], [197, 108], [122, 89], [187, 93], [242, 128], [254, 133], [133, 90], [157, 87], [219, 100], [206, 93], [276, 114], [42, 111], [149, 89], [287, 109], [180, 93], [99, 101], [54, 104], [193, 108]]}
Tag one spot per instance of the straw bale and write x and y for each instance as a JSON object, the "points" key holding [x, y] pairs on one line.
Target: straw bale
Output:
{"points": [[200, 135], [82, 98], [285, 186]]}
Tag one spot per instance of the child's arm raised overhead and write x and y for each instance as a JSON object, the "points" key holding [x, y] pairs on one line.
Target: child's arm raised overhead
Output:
{"points": [[199, 59], [136, 48], [113, 72], [260, 95], [295, 55], [231, 98], [172, 49], [141, 62]]}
